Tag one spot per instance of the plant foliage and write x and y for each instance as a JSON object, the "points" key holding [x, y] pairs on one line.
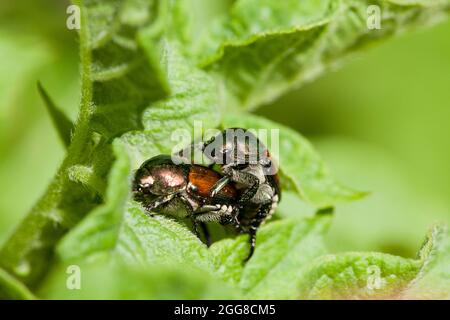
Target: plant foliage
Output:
{"points": [[149, 68]]}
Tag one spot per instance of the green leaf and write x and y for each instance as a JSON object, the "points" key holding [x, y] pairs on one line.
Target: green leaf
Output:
{"points": [[282, 249], [302, 169], [98, 231], [107, 277], [190, 18], [359, 275], [228, 258], [147, 73], [11, 288], [62, 124], [356, 275], [262, 49], [433, 279], [194, 100]]}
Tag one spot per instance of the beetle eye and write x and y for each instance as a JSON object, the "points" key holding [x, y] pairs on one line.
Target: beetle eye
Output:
{"points": [[143, 188]]}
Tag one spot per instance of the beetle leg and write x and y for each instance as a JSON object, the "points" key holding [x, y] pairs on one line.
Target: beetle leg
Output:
{"points": [[195, 224], [206, 233], [191, 214], [219, 186], [262, 213], [232, 219], [157, 202], [248, 179], [206, 208], [236, 222], [223, 214], [205, 216], [195, 227], [245, 178], [252, 241], [249, 193]]}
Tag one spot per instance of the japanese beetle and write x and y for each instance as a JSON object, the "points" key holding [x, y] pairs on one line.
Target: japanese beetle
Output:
{"points": [[184, 191], [246, 161]]}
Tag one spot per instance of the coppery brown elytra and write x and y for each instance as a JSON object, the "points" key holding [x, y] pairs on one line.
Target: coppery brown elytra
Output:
{"points": [[184, 191]]}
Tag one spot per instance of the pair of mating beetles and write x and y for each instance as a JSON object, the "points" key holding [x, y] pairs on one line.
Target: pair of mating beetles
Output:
{"points": [[244, 192]]}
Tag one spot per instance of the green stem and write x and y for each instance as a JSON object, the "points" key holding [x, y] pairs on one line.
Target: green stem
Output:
{"points": [[11, 288], [26, 253]]}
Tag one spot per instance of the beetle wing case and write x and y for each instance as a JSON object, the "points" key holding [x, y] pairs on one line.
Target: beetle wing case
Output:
{"points": [[202, 181]]}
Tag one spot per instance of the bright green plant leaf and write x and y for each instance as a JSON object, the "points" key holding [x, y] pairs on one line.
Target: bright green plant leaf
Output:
{"points": [[99, 230], [194, 98], [107, 277], [245, 23], [360, 275], [262, 49], [190, 20], [356, 275], [301, 167], [62, 124], [283, 248], [258, 72], [433, 279], [148, 75], [159, 240], [228, 258]]}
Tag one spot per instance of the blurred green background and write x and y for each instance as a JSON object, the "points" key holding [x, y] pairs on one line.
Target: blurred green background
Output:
{"points": [[381, 123]]}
